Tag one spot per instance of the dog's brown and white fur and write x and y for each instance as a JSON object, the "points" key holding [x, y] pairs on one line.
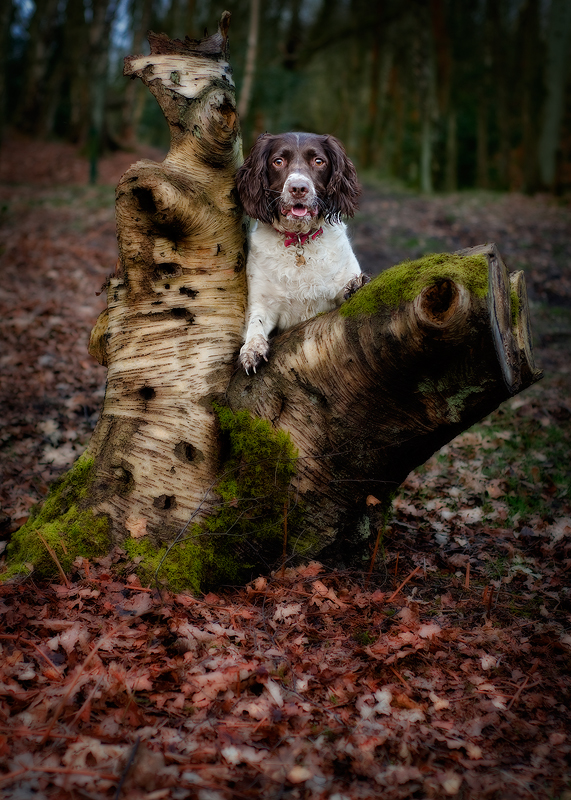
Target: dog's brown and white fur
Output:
{"points": [[300, 263]]}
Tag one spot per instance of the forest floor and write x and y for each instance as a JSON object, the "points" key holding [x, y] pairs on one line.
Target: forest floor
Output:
{"points": [[446, 672]]}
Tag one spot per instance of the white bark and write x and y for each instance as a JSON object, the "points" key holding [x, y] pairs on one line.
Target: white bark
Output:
{"points": [[176, 308]]}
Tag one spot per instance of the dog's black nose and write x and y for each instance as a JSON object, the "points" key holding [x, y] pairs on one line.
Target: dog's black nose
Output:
{"points": [[298, 188]]}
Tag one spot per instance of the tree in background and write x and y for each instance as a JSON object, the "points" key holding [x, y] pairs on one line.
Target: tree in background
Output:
{"points": [[435, 93], [556, 74]]}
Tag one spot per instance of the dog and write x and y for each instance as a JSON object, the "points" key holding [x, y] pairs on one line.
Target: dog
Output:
{"points": [[297, 186]]}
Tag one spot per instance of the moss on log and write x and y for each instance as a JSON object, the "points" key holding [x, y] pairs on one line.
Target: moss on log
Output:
{"points": [[405, 281]]}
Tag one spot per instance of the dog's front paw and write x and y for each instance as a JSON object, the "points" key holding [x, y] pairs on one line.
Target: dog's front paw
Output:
{"points": [[355, 283], [252, 353]]}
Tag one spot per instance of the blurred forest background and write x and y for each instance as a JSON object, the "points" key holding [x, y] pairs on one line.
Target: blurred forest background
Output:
{"points": [[436, 94]]}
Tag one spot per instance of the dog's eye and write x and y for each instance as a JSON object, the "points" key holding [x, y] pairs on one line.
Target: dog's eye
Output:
{"points": [[319, 162], [278, 162]]}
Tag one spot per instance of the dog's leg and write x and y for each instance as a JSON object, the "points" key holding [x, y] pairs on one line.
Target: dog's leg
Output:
{"points": [[354, 284], [261, 322]]}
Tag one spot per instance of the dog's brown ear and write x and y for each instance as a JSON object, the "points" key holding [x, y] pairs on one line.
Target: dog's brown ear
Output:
{"points": [[343, 189], [252, 181]]}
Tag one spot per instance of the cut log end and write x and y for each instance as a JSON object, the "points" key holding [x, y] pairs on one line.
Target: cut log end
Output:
{"points": [[509, 317], [522, 329]]}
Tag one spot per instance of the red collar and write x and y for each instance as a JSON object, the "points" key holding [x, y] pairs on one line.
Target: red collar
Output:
{"points": [[300, 239]]}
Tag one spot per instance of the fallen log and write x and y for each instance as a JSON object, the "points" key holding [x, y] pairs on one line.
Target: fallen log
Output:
{"points": [[371, 391]]}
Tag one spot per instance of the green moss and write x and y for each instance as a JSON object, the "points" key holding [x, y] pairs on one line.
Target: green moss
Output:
{"points": [[405, 281], [254, 490], [364, 637], [245, 530], [60, 525], [179, 566], [309, 541], [456, 402]]}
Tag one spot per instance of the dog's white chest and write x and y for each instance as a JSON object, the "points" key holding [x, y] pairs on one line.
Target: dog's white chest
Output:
{"points": [[303, 273]]}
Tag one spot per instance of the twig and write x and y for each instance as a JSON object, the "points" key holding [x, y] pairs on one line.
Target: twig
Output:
{"points": [[373, 557], [128, 765], [467, 581], [406, 580], [534, 666], [398, 675], [50, 662], [52, 553], [80, 672], [6, 780], [86, 702], [519, 691], [35, 733], [284, 554], [489, 597], [336, 717], [19, 639]]}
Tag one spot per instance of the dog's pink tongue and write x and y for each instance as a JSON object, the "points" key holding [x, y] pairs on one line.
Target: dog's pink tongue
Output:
{"points": [[299, 211]]}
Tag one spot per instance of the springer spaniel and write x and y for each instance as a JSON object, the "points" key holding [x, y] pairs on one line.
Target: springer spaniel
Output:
{"points": [[300, 263]]}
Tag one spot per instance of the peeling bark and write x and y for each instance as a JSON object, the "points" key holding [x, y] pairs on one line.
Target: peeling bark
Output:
{"points": [[176, 308]]}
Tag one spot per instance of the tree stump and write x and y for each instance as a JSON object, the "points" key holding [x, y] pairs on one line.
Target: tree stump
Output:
{"points": [[200, 472], [371, 391]]}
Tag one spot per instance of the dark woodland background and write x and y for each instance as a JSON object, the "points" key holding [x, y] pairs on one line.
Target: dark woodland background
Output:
{"points": [[437, 94]]}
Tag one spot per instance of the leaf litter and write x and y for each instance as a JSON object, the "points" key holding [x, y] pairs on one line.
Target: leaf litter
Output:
{"points": [[443, 671], [246, 694]]}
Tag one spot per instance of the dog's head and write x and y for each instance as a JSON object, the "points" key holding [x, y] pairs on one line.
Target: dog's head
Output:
{"points": [[294, 179]]}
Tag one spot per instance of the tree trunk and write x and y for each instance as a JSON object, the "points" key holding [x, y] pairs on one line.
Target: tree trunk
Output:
{"points": [[39, 51], [251, 55], [426, 70], [199, 471], [482, 168], [556, 73], [499, 34], [76, 44], [99, 38], [182, 18], [532, 92], [373, 101], [176, 309], [6, 9], [451, 168]]}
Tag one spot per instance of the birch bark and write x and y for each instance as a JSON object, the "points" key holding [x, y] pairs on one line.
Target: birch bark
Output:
{"points": [[176, 306]]}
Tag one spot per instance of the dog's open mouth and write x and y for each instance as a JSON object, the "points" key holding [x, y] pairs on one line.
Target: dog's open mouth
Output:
{"points": [[299, 210]]}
